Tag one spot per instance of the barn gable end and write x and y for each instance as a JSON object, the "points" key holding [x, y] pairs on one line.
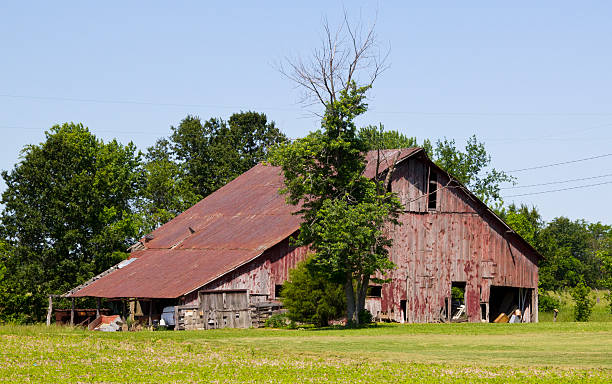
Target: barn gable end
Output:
{"points": [[455, 240]]}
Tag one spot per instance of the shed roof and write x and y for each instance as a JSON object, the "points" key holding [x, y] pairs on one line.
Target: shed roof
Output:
{"points": [[225, 230]]}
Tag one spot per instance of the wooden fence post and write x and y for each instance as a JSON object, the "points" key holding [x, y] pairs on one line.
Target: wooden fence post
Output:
{"points": [[50, 310], [72, 313]]}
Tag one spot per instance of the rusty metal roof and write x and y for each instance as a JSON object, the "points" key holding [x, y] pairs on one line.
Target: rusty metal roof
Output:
{"points": [[227, 229]]}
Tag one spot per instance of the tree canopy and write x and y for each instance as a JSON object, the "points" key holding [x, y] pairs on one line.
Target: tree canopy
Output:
{"points": [[68, 214], [574, 251], [200, 157], [344, 213], [470, 167]]}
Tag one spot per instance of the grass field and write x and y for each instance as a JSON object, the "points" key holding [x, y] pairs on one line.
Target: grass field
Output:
{"points": [[430, 353]]}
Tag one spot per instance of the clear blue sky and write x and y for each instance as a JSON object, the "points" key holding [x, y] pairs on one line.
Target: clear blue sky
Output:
{"points": [[533, 82]]}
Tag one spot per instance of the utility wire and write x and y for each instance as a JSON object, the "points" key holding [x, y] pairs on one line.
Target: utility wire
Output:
{"points": [[373, 110], [557, 182], [558, 190], [561, 163], [135, 102]]}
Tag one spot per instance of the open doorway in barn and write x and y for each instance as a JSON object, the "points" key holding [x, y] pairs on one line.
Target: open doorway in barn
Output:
{"points": [[505, 301], [458, 310]]}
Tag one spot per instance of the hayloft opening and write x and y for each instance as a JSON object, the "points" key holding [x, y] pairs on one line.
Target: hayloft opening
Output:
{"points": [[433, 190]]}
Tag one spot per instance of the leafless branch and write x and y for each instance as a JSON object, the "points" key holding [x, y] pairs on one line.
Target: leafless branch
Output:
{"points": [[348, 53]]}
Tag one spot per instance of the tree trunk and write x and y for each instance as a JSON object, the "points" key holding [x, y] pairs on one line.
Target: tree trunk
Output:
{"points": [[361, 294], [350, 300]]}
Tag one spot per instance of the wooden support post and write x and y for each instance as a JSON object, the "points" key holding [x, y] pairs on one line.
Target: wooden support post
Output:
{"points": [[72, 312], [132, 305], [150, 312], [176, 318], [50, 310], [98, 303]]}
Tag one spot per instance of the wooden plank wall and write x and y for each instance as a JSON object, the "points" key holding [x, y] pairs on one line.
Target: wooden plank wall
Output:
{"points": [[262, 274], [458, 241], [225, 309]]}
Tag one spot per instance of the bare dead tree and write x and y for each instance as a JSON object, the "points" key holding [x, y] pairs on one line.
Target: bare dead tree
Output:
{"points": [[348, 53]]}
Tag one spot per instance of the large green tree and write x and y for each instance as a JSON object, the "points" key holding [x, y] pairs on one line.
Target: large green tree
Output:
{"points": [[214, 152], [376, 137], [68, 215], [570, 250], [200, 157], [471, 167], [345, 215]]}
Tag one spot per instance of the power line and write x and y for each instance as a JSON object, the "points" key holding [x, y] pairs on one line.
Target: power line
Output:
{"points": [[561, 163], [558, 190], [557, 182], [554, 136], [137, 102], [373, 110], [468, 114]]}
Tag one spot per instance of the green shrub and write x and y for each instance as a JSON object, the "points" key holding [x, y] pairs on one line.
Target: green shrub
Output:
{"points": [[310, 298], [365, 317], [279, 320], [546, 302], [584, 303]]}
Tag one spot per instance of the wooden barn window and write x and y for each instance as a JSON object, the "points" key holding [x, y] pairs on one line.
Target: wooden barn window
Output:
{"points": [[278, 290], [374, 291], [433, 193]]}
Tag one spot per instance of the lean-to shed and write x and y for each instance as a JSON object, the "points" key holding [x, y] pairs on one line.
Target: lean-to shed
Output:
{"points": [[237, 240]]}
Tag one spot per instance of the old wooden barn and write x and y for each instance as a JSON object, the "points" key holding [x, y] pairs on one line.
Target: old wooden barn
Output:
{"points": [[223, 261]]}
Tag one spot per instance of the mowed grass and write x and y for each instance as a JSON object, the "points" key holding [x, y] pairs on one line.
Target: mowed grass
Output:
{"points": [[430, 353]]}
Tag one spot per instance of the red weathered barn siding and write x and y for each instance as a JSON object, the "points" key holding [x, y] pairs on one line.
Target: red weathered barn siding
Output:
{"points": [[260, 275], [459, 241]]}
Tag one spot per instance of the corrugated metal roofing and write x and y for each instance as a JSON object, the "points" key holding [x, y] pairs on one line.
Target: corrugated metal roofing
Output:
{"points": [[225, 230]]}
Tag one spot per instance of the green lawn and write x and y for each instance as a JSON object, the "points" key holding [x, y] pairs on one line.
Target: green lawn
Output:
{"points": [[435, 353]]}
